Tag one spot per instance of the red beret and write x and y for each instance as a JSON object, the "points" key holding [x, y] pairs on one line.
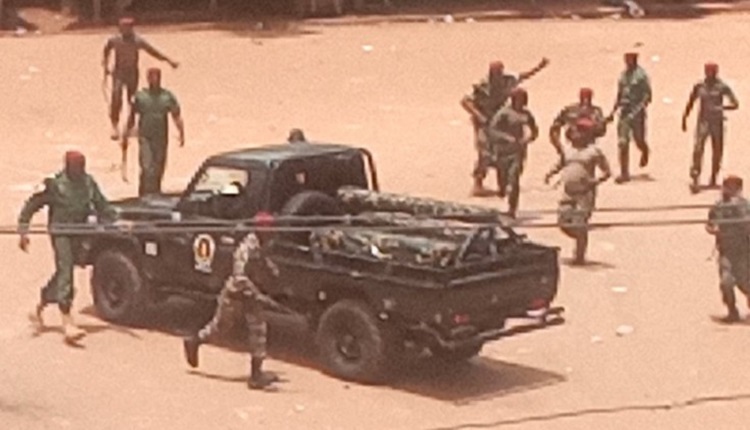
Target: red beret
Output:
{"points": [[586, 92], [732, 181], [711, 67], [497, 66], [632, 55]]}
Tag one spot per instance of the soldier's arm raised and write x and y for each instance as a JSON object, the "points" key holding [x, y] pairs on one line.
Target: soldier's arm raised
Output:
{"points": [[529, 74], [143, 44]]}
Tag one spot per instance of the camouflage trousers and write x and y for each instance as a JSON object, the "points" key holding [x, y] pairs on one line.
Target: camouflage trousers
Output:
{"points": [[509, 170], [232, 307], [705, 129], [485, 157], [573, 215], [734, 271]]}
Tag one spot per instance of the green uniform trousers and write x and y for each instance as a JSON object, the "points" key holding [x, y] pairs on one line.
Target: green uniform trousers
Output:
{"points": [[734, 271], [152, 157], [233, 306], [59, 288], [509, 168], [713, 128]]}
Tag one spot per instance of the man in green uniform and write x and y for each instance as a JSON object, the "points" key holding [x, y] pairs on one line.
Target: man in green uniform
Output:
{"points": [[570, 114], [241, 297], [508, 139], [578, 165], [152, 105], [71, 196], [486, 99], [729, 222], [126, 47], [711, 93], [633, 96]]}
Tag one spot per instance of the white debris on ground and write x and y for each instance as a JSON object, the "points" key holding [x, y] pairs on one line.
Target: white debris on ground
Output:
{"points": [[624, 330]]}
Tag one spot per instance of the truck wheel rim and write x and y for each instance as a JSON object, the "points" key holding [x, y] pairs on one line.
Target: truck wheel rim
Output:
{"points": [[349, 347]]}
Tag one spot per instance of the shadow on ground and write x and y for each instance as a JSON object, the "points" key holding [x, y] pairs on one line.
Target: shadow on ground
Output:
{"points": [[290, 341]]}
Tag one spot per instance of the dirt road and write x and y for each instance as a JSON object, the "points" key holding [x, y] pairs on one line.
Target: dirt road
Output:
{"points": [[398, 97]]}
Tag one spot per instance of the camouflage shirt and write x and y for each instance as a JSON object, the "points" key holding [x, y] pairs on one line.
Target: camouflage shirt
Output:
{"points": [[507, 129], [571, 113], [733, 236], [633, 90], [711, 97], [491, 95], [69, 202], [248, 259]]}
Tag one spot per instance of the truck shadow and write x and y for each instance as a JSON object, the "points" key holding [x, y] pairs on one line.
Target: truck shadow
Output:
{"points": [[290, 341]]}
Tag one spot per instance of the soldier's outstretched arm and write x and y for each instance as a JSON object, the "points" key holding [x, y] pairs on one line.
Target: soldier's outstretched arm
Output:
{"points": [[689, 106], [143, 44], [539, 67]]}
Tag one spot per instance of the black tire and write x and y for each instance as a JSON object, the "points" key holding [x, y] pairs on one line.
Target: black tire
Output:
{"points": [[459, 355], [309, 203], [119, 291], [353, 344]]}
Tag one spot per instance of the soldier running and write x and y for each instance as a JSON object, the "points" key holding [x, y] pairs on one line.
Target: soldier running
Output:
{"points": [[728, 221], [711, 93], [241, 296], [569, 115], [633, 96], [152, 105], [71, 196], [508, 143], [486, 99], [578, 165], [126, 46]]}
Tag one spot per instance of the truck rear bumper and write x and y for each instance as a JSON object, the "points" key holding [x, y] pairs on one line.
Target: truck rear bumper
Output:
{"points": [[552, 317]]}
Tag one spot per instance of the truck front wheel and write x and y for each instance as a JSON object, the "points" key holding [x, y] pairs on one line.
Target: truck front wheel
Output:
{"points": [[352, 342], [119, 291]]}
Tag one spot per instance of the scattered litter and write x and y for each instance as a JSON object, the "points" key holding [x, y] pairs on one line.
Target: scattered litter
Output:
{"points": [[568, 370], [470, 20], [596, 339], [655, 58], [620, 289], [33, 69], [20, 31], [448, 19], [638, 44], [624, 330], [299, 408], [575, 17], [367, 48], [667, 101]]}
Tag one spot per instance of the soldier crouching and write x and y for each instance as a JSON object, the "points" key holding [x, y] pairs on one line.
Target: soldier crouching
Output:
{"points": [[239, 298]]}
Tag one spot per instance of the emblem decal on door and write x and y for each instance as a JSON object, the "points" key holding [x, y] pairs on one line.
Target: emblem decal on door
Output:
{"points": [[204, 248]]}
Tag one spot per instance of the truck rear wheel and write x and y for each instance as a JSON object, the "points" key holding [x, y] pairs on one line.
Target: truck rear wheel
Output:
{"points": [[352, 343], [119, 291]]}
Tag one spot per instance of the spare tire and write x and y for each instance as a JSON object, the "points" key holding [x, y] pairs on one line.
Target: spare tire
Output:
{"points": [[309, 203]]}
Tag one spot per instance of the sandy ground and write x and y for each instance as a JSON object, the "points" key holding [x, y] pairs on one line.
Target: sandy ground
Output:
{"points": [[401, 101]]}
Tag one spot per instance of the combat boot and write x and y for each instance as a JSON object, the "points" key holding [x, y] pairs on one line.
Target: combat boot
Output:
{"points": [[191, 345], [71, 331], [478, 189], [259, 380], [732, 317]]}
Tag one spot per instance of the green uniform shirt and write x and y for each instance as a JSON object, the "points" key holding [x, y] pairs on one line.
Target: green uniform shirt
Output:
{"points": [[634, 90], [732, 237], [506, 129], [68, 201], [711, 96], [489, 96], [153, 107], [572, 113]]}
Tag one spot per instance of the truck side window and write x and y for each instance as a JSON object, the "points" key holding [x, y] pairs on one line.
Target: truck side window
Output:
{"points": [[220, 192]]}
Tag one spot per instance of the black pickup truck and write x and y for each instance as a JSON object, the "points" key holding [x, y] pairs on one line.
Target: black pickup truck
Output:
{"points": [[376, 275]]}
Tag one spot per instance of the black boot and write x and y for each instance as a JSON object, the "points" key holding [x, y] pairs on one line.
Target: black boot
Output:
{"points": [[191, 345], [733, 316], [259, 380]]}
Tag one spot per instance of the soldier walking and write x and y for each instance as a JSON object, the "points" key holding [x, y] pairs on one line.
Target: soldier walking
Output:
{"points": [[728, 221], [508, 140], [711, 92], [578, 166], [152, 105], [633, 97], [71, 197], [482, 104], [126, 46], [240, 297], [569, 115]]}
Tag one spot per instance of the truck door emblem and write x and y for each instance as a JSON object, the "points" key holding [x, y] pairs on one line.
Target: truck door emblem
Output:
{"points": [[203, 250], [151, 249]]}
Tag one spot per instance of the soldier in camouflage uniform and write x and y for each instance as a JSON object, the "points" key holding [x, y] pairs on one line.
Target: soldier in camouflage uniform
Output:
{"points": [[578, 166], [486, 99], [732, 242], [241, 297], [633, 96], [71, 196], [509, 141], [711, 93], [570, 114]]}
